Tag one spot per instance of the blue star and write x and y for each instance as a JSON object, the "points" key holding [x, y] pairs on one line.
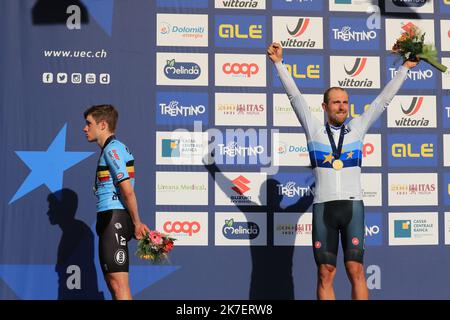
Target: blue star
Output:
{"points": [[47, 167], [102, 11]]}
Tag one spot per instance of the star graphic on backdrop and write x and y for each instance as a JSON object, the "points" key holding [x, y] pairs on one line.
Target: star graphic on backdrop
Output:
{"points": [[350, 155], [47, 167]]}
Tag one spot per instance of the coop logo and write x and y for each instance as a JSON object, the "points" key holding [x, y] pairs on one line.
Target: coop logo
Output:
{"points": [[233, 149], [412, 150], [240, 230], [240, 185], [402, 228], [170, 148], [181, 70], [182, 227], [246, 70], [291, 189], [359, 72]]}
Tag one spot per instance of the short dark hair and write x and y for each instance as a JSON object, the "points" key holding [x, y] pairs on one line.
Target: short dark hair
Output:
{"points": [[104, 112], [326, 95]]}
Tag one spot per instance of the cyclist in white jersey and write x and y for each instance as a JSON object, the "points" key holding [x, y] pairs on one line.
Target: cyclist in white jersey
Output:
{"points": [[335, 152]]}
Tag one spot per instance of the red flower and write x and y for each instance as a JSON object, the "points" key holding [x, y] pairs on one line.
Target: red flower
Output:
{"points": [[168, 245]]}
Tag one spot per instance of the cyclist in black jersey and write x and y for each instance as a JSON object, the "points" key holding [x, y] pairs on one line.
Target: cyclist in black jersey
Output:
{"points": [[117, 212], [335, 151]]}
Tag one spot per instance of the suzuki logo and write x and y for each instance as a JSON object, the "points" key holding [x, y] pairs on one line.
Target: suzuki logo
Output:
{"points": [[240, 185]]}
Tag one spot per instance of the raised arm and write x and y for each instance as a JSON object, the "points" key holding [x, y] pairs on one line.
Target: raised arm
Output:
{"points": [[381, 102], [299, 104]]}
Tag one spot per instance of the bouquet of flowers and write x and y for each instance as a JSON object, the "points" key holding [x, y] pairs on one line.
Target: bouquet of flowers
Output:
{"points": [[155, 246], [411, 46]]}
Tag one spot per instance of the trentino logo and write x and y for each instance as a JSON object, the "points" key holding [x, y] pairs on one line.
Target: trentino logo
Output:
{"points": [[170, 148], [240, 185], [181, 70], [402, 228], [233, 149], [240, 230], [290, 190]]}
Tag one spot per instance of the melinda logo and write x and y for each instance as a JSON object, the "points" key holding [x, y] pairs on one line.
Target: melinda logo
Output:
{"points": [[181, 70], [240, 230], [402, 228], [240, 185]]}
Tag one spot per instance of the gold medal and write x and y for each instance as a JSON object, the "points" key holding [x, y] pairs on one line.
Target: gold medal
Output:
{"points": [[338, 164]]}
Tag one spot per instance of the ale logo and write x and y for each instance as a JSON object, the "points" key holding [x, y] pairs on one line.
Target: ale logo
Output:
{"points": [[416, 103], [240, 230], [359, 65], [302, 25], [182, 70]]}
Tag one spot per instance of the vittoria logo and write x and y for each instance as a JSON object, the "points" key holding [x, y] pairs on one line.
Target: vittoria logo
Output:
{"points": [[359, 65], [297, 32], [411, 110], [302, 24], [416, 103], [240, 185]]}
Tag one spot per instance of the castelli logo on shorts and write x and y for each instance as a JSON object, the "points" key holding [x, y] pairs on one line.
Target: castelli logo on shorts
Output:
{"points": [[355, 241], [188, 227], [317, 244], [120, 257], [119, 175]]}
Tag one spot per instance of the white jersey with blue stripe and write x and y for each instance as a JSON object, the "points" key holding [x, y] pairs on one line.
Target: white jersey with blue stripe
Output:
{"points": [[333, 184]]}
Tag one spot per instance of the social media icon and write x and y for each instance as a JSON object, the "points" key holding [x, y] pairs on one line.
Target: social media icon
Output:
{"points": [[76, 78], [47, 77], [91, 78], [104, 78], [61, 77]]}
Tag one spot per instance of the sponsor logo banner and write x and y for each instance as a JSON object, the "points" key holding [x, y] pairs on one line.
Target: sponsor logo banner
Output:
{"points": [[190, 30], [356, 72], [373, 229], [413, 189], [419, 228], [181, 108], [290, 149], [283, 113], [298, 32], [240, 109], [306, 70], [371, 189], [240, 188], [179, 147], [412, 112], [240, 229], [292, 229], [353, 34], [240, 70], [418, 150], [240, 31], [184, 69], [188, 188], [189, 228]]}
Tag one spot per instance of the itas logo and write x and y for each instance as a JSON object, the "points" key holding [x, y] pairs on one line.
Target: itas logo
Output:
{"points": [[402, 228], [170, 148], [305, 69], [181, 107], [184, 228], [240, 230], [182, 70], [373, 229], [352, 34], [412, 150], [240, 185], [240, 31]]}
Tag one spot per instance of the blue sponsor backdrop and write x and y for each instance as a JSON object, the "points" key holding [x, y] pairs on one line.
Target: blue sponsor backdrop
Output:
{"points": [[51, 72]]}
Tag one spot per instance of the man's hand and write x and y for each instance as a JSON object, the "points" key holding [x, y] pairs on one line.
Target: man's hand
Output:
{"points": [[411, 63], [275, 52], [140, 230]]}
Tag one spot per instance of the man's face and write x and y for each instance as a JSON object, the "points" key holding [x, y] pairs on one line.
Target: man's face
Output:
{"points": [[92, 129], [337, 107]]}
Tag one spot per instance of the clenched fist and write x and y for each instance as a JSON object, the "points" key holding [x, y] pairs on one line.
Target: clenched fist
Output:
{"points": [[275, 52]]}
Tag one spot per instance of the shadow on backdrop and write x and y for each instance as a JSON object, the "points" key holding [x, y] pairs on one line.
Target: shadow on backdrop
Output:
{"points": [[271, 276], [55, 12], [77, 276]]}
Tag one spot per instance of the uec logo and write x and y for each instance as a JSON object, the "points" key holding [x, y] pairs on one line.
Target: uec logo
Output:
{"points": [[188, 227]]}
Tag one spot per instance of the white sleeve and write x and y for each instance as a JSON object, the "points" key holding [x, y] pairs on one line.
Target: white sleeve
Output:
{"points": [[381, 102], [308, 121]]}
